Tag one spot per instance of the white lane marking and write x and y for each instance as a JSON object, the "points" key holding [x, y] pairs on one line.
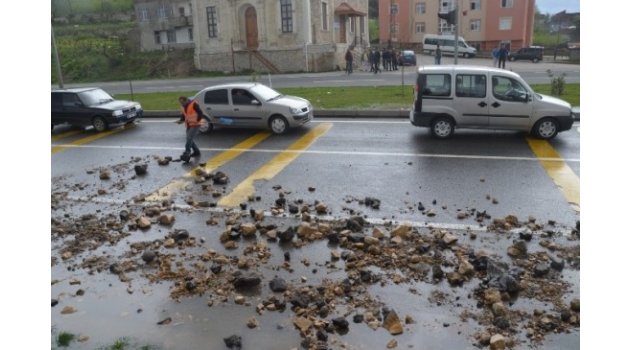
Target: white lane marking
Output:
{"points": [[325, 218], [345, 153]]}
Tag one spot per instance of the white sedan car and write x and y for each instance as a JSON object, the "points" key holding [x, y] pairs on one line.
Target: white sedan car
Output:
{"points": [[252, 105]]}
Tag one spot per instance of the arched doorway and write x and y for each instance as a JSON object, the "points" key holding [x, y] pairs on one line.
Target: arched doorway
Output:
{"points": [[251, 28]]}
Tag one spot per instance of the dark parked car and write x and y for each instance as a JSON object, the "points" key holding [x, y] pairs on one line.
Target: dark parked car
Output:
{"points": [[534, 54], [91, 106], [408, 58]]}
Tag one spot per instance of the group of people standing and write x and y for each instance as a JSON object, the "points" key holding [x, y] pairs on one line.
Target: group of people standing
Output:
{"points": [[390, 59]]}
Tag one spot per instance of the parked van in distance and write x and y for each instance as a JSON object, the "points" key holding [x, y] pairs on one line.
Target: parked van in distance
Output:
{"points": [[456, 96], [447, 45]]}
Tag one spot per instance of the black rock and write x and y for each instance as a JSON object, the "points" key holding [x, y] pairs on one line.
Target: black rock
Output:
{"points": [[508, 283], [480, 263], [420, 206], [565, 315], [502, 322], [356, 237], [190, 286], [141, 169], [287, 256], [148, 256], [321, 335], [357, 318], [434, 202], [355, 224], [278, 285], [216, 268], [233, 342], [438, 274], [423, 248], [287, 235], [372, 202], [333, 237], [54, 302], [446, 324], [281, 202], [80, 292], [293, 209], [527, 236], [541, 269], [366, 276], [300, 300], [180, 235], [248, 280], [124, 215], [243, 206], [324, 311], [115, 268], [556, 262], [340, 323]]}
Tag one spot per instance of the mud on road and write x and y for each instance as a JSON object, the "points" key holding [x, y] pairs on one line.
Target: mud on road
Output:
{"points": [[175, 276]]}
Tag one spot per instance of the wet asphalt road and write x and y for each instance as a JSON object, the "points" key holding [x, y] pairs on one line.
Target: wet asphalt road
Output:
{"points": [[386, 159]]}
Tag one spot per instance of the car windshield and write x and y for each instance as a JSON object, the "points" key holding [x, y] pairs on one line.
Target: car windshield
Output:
{"points": [[265, 93], [95, 97]]}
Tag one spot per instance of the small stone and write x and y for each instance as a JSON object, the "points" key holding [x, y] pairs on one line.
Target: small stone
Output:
{"points": [[278, 285], [83, 338], [461, 215], [302, 323], [233, 342], [340, 323], [392, 323], [165, 321], [498, 309], [169, 243], [252, 322], [392, 344], [556, 262], [54, 302], [148, 256], [143, 222], [409, 320], [239, 300], [541, 269], [104, 174], [321, 208], [491, 296], [166, 219], [248, 230], [497, 342], [140, 169], [402, 231], [357, 318], [68, 310], [575, 305], [449, 238]]}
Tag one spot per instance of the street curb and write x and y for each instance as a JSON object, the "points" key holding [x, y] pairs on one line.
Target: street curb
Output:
{"points": [[325, 113]]}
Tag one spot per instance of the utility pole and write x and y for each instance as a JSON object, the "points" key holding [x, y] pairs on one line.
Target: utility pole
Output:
{"points": [[456, 31], [54, 44]]}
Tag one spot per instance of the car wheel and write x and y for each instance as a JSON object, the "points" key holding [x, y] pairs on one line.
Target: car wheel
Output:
{"points": [[442, 127], [99, 124], [206, 127], [535, 60], [278, 124], [546, 128]]}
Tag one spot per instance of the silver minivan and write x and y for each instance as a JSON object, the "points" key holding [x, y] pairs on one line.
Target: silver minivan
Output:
{"points": [[449, 97]]}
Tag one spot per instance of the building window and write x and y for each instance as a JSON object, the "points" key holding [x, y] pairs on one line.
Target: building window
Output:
{"points": [[475, 5], [475, 25], [393, 9], [421, 8], [190, 34], [444, 27], [420, 27], [163, 12], [324, 16], [143, 15], [170, 36], [446, 6], [287, 16], [506, 3], [182, 12], [505, 23], [211, 11], [158, 37]]}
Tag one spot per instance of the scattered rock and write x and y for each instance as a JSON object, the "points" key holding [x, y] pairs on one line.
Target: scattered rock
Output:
{"points": [[148, 256], [165, 321], [449, 238], [248, 280], [340, 323], [54, 302], [68, 310], [541, 269], [392, 344], [252, 322], [143, 222], [497, 342], [518, 250], [556, 262], [248, 230], [303, 324], [104, 174], [321, 208], [575, 305], [166, 219], [392, 323], [233, 342], [402, 231], [278, 285], [141, 169]]}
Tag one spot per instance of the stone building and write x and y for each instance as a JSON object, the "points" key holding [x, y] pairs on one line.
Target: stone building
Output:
{"points": [[278, 35]]}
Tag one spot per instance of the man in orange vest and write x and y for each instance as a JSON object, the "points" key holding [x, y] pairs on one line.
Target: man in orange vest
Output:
{"points": [[192, 117]]}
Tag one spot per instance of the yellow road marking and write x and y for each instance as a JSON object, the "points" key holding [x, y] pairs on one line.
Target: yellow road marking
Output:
{"points": [[211, 165], [63, 135], [100, 135], [273, 167], [559, 171]]}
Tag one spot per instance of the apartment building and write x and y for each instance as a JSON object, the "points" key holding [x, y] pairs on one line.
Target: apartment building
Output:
{"points": [[278, 35], [483, 23], [164, 24]]}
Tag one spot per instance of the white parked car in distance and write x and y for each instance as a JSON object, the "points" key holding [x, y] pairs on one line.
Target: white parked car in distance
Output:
{"points": [[245, 105], [454, 96]]}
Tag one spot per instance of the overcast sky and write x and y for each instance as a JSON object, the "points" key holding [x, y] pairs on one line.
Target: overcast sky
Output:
{"points": [[555, 6]]}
